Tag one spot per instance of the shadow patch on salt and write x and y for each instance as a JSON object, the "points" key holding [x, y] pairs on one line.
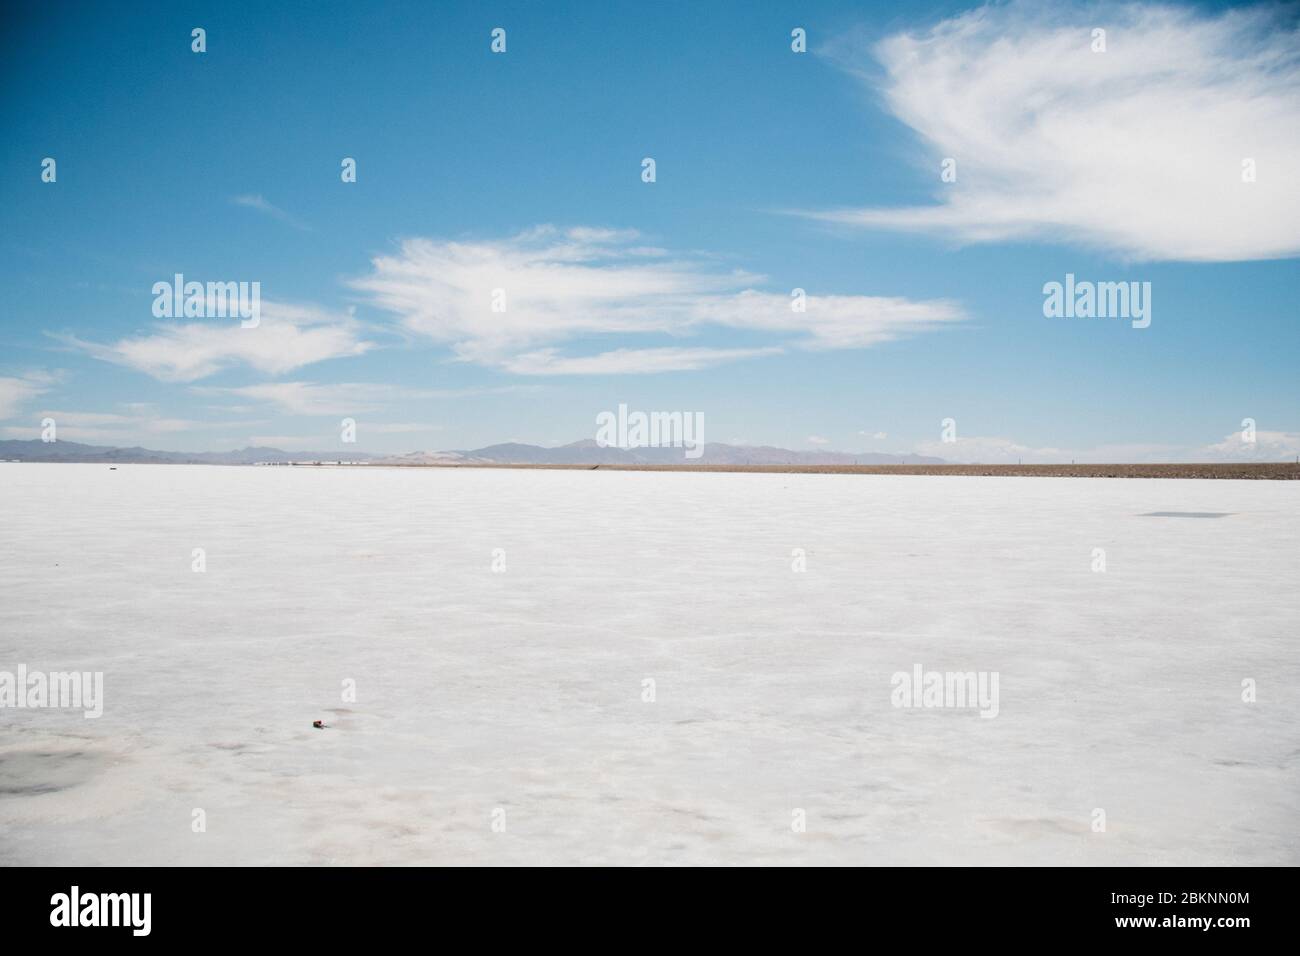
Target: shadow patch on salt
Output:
{"points": [[1187, 514], [26, 773], [1035, 828]]}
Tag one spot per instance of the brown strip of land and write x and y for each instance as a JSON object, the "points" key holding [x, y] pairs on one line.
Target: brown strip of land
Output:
{"points": [[1256, 470]]}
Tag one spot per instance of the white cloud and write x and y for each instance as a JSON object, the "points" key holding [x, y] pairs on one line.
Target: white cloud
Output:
{"points": [[1137, 150], [113, 419], [329, 439], [136, 422], [275, 212], [310, 398], [991, 451], [559, 286], [987, 450], [401, 428], [294, 442], [322, 443], [17, 391], [344, 398], [831, 321], [626, 361], [1267, 446], [287, 338], [818, 440]]}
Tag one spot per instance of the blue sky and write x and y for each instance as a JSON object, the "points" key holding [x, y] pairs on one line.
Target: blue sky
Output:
{"points": [[774, 170]]}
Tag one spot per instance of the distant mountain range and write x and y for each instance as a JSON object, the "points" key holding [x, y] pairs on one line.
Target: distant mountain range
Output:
{"points": [[71, 451], [585, 452]]}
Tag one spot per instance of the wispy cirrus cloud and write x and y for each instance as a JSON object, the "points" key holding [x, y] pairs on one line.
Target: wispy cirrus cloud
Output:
{"points": [[401, 428], [1137, 150], [288, 337], [995, 450], [342, 398], [559, 286], [259, 203], [311, 398], [16, 391], [1267, 446], [626, 361], [129, 424], [991, 450], [329, 439]]}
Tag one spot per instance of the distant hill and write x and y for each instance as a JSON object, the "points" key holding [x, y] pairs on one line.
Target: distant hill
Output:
{"points": [[585, 452], [71, 451]]}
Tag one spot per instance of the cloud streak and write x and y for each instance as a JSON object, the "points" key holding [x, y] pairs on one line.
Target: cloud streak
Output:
{"points": [[134, 422], [343, 398], [17, 391], [512, 303], [1270, 446], [260, 204], [287, 338], [1137, 150]]}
